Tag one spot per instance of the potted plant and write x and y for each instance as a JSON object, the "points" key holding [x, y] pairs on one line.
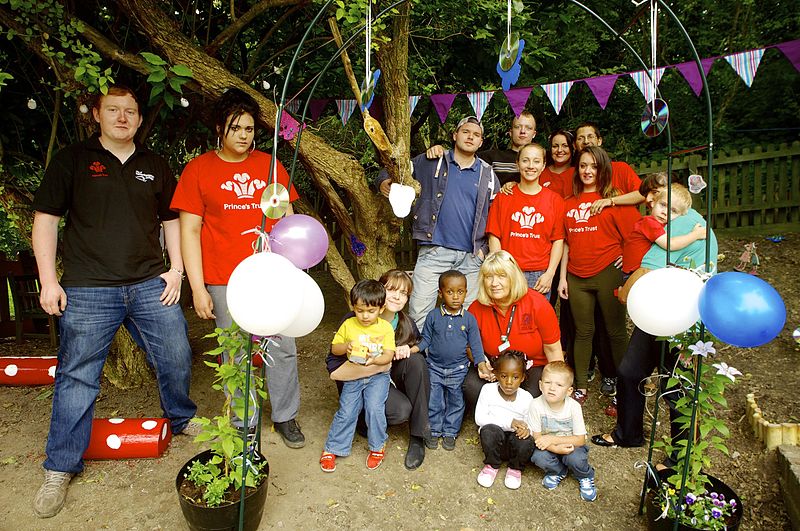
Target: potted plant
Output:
{"points": [[210, 484], [687, 494]]}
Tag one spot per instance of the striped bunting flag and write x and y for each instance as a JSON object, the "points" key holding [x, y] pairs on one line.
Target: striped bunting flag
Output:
{"points": [[293, 106], [746, 64], [346, 108], [642, 80], [412, 104], [479, 101], [557, 92]]}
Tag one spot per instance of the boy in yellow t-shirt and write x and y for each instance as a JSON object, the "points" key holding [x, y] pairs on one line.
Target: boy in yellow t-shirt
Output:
{"points": [[365, 339]]}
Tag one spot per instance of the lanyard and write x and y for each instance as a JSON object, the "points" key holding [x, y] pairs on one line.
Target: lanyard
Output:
{"points": [[504, 338]]}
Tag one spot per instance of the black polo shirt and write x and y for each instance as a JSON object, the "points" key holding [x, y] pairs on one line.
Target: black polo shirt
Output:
{"points": [[113, 213], [503, 162]]}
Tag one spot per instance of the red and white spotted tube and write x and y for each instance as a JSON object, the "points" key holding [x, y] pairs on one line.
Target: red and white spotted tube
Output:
{"points": [[128, 438], [28, 370]]}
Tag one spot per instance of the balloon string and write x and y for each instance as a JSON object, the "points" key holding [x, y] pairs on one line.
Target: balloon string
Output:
{"points": [[261, 243]]}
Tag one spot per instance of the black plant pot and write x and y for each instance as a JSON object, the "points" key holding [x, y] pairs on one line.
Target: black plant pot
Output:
{"points": [[653, 511], [225, 517]]}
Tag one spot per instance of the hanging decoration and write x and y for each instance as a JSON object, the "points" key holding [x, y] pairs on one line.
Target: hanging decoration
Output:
{"points": [[517, 98], [346, 108], [442, 104], [508, 67], [745, 64], [557, 93], [412, 104], [479, 101], [370, 78], [656, 112], [692, 75], [602, 87]]}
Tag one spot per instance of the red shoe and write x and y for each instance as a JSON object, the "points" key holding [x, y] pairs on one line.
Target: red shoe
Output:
{"points": [[327, 462], [580, 396], [611, 409], [374, 459]]}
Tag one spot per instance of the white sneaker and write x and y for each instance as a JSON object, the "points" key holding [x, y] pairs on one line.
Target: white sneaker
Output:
{"points": [[52, 494], [513, 478], [486, 476]]}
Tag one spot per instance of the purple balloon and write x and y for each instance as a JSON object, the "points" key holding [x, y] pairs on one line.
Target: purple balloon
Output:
{"points": [[300, 238]]}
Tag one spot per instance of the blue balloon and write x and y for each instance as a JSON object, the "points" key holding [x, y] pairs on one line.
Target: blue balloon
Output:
{"points": [[741, 309]]}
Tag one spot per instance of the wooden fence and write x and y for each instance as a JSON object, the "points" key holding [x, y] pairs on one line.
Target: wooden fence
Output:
{"points": [[750, 189]]}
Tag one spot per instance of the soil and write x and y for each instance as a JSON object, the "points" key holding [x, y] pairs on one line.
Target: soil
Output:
{"points": [[442, 494]]}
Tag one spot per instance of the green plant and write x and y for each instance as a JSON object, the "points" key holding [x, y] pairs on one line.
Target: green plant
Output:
{"points": [[700, 386], [167, 82], [221, 477]]}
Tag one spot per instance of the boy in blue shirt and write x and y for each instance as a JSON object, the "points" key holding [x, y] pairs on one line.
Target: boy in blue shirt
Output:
{"points": [[447, 333]]}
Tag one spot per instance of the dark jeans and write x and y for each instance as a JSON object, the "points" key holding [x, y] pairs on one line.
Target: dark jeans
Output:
{"points": [[446, 403], [408, 397], [576, 462], [499, 446], [642, 356], [474, 383]]}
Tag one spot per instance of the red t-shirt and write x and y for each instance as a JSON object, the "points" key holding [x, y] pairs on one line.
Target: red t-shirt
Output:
{"points": [[645, 231], [623, 178], [560, 183], [527, 225], [595, 241], [535, 324], [227, 195]]}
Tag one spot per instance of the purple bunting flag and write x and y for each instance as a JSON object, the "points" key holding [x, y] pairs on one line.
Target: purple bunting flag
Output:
{"points": [[412, 104], [442, 104], [517, 98], [557, 92], [746, 64], [346, 108], [642, 80], [479, 101], [602, 87], [316, 107], [791, 50], [692, 75]]}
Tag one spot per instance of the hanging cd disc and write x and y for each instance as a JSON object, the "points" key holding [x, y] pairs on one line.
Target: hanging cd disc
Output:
{"points": [[508, 52], [655, 118], [368, 89], [275, 201]]}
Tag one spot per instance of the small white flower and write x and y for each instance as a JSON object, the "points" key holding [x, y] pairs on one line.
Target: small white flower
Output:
{"points": [[184, 102], [703, 349], [83, 108], [724, 370], [31, 103], [265, 84], [278, 70]]}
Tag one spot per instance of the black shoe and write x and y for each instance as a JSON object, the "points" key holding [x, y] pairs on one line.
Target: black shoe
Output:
{"points": [[432, 443], [608, 387], [415, 453], [599, 440], [449, 443], [290, 433]]}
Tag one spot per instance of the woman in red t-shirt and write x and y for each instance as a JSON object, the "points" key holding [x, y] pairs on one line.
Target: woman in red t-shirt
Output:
{"points": [[218, 198], [511, 316], [528, 222], [589, 275], [557, 176]]}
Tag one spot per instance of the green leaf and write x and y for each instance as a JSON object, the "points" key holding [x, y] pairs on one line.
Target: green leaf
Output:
{"points": [[182, 70], [153, 59], [157, 76], [175, 83]]}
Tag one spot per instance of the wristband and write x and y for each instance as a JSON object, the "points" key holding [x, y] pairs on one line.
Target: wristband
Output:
{"points": [[612, 201], [180, 273]]}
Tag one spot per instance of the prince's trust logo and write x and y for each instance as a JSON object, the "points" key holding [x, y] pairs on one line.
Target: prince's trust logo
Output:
{"points": [[527, 218], [580, 214], [242, 186]]}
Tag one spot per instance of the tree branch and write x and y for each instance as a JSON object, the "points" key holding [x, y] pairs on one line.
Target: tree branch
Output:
{"points": [[244, 20]]}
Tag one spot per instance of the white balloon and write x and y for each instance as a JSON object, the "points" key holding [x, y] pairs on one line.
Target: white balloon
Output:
{"points": [[664, 302], [400, 197], [264, 293], [311, 312]]}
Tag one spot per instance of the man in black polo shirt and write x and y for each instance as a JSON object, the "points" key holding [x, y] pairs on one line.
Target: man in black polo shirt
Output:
{"points": [[115, 196]]}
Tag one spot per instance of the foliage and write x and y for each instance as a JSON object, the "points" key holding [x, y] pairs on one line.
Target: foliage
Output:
{"points": [[166, 83], [694, 368], [224, 471]]}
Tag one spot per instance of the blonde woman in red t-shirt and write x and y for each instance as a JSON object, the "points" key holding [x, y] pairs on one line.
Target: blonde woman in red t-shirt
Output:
{"points": [[589, 275], [218, 198], [528, 222]]}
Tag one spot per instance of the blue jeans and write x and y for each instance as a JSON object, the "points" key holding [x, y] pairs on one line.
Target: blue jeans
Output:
{"points": [[533, 276], [446, 403], [89, 323], [432, 261], [369, 393], [576, 462]]}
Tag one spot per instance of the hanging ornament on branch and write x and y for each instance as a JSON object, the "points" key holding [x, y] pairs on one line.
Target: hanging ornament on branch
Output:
{"points": [[508, 65], [371, 78], [656, 112]]}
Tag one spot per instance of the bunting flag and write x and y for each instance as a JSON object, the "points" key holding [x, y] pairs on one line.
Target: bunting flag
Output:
{"points": [[479, 101], [442, 104], [746, 64], [293, 106], [602, 87], [316, 107], [517, 98], [557, 92], [692, 75], [346, 108], [642, 80], [412, 104], [791, 50]]}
